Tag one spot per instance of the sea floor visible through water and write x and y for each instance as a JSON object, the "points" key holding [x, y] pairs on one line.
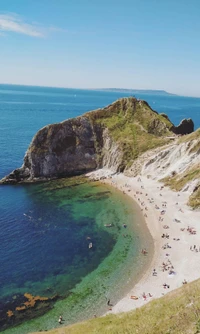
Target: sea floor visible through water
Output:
{"points": [[63, 218]]}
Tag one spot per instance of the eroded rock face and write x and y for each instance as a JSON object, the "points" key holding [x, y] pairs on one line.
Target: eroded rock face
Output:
{"points": [[67, 148], [112, 156], [185, 127]]}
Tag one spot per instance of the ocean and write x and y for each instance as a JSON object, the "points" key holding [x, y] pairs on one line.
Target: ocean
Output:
{"points": [[46, 228]]}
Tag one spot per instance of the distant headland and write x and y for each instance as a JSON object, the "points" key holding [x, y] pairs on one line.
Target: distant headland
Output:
{"points": [[137, 91]]}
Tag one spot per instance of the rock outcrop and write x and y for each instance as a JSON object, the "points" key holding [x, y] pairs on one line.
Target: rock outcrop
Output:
{"points": [[111, 137], [57, 150], [185, 127]]}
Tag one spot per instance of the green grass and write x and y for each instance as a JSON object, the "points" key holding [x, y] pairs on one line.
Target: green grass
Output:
{"points": [[191, 136], [134, 126], [178, 181], [194, 199], [176, 313]]}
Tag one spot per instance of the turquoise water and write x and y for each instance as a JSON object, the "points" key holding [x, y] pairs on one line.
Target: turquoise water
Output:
{"points": [[53, 257], [44, 228]]}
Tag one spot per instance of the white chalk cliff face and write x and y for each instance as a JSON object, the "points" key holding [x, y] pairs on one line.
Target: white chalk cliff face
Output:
{"points": [[112, 156], [174, 159]]}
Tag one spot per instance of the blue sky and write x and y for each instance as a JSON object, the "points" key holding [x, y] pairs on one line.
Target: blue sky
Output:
{"points": [[139, 44]]}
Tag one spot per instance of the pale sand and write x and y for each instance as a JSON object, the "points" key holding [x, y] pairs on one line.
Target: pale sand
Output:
{"points": [[186, 262]]}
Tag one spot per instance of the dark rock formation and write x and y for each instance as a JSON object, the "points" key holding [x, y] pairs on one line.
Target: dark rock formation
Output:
{"points": [[108, 137], [185, 127], [57, 150]]}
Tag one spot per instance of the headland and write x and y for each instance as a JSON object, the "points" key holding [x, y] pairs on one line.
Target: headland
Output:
{"points": [[140, 152]]}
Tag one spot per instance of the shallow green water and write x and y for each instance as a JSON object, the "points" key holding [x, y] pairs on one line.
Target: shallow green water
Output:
{"points": [[85, 278]]}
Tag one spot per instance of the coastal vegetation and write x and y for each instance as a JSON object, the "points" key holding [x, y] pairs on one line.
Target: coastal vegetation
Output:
{"points": [[176, 313], [194, 199], [177, 182], [191, 136], [180, 181], [134, 126]]}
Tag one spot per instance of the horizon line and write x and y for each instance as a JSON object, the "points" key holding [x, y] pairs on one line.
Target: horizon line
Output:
{"points": [[105, 88]]}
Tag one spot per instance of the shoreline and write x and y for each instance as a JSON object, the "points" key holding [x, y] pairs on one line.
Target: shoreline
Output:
{"points": [[112, 278], [176, 258]]}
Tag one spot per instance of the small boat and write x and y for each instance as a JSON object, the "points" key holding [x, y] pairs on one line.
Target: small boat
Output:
{"points": [[108, 225], [90, 245]]}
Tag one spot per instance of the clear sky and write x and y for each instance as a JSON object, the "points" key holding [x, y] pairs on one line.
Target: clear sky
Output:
{"points": [[139, 44]]}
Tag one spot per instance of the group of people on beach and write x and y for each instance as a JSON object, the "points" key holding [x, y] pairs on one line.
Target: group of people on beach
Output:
{"points": [[191, 230], [165, 235], [144, 295], [195, 248], [166, 265], [147, 203]]}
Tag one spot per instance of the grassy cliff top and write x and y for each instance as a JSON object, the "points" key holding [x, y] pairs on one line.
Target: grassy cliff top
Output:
{"points": [[175, 313], [134, 126], [191, 136]]}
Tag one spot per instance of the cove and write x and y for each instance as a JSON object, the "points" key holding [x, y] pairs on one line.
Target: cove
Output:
{"points": [[48, 253]]}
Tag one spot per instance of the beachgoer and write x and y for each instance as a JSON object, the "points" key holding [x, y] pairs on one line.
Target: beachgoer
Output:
{"points": [[144, 296], [154, 272], [144, 251]]}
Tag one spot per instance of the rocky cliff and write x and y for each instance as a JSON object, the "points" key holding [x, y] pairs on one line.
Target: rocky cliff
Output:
{"points": [[113, 137]]}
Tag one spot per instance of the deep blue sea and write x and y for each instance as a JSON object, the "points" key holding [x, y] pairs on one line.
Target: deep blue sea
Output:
{"points": [[45, 229]]}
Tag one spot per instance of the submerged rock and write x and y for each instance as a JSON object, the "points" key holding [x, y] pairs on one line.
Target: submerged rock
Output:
{"points": [[22, 307]]}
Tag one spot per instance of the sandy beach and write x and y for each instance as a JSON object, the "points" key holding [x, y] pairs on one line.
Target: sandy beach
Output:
{"points": [[175, 229]]}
